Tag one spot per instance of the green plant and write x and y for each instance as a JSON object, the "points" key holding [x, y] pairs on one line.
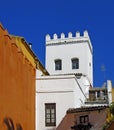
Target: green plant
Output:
{"points": [[111, 108]]}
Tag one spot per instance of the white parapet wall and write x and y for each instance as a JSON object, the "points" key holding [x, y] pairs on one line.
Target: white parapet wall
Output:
{"points": [[68, 39]]}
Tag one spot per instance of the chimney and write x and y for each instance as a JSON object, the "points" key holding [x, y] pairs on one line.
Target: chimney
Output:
{"points": [[30, 45]]}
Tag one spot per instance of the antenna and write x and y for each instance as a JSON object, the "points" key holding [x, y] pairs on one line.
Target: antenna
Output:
{"points": [[103, 69]]}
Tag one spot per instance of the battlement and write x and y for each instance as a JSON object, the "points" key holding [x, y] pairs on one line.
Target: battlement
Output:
{"points": [[69, 39], [62, 36]]}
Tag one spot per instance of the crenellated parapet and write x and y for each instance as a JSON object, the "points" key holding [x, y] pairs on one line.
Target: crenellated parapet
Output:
{"points": [[70, 35], [70, 38]]}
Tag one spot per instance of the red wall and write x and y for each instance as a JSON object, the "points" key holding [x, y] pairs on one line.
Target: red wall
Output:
{"points": [[17, 85]]}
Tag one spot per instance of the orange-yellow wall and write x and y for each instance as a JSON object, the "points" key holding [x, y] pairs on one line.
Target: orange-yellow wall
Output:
{"points": [[112, 94], [17, 85]]}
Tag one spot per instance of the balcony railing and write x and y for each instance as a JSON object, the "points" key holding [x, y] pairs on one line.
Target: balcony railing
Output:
{"points": [[103, 100]]}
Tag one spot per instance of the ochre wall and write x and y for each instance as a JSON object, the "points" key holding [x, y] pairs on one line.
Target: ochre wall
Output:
{"points": [[23, 46], [112, 94], [17, 85]]}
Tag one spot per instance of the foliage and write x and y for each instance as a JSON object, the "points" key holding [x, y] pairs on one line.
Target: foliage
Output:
{"points": [[112, 108], [107, 124]]}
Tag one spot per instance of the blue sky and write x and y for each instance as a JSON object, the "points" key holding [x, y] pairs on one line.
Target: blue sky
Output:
{"points": [[33, 19]]}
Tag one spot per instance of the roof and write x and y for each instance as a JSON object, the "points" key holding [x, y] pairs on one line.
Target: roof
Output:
{"points": [[36, 61], [84, 109]]}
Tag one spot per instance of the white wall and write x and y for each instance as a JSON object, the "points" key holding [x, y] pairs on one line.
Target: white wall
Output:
{"points": [[109, 89], [62, 90]]}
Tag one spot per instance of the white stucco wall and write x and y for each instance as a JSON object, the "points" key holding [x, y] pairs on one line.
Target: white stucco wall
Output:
{"points": [[62, 90], [109, 89], [66, 49]]}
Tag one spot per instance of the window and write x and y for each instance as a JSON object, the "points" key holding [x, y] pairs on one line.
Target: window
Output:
{"points": [[75, 63], [58, 65], [84, 123], [50, 114], [98, 94], [84, 119]]}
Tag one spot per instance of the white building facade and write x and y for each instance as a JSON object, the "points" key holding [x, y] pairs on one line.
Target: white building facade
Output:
{"points": [[69, 61]]}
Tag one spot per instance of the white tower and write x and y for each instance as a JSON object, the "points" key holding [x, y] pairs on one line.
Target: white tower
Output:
{"points": [[69, 55]]}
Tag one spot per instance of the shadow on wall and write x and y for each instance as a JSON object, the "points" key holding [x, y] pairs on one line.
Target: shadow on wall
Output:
{"points": [[10, 125]]}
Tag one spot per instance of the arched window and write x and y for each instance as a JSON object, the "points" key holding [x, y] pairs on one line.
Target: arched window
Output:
{"points": [[75, 63], [58, 64]]}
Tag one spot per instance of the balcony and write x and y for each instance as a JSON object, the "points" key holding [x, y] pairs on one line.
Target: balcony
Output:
{"points": [[97, 101]]}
